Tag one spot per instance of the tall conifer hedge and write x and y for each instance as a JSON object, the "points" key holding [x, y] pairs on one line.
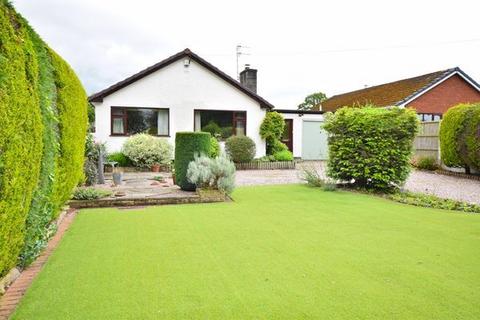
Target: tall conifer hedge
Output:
{"points": [[43, 112]]}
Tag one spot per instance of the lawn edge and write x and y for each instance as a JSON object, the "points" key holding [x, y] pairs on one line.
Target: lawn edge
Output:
{"points": [[15, 292]]}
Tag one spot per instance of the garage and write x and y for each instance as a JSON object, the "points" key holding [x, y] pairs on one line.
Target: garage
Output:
{"points": [[314, 141], [303, 134]]}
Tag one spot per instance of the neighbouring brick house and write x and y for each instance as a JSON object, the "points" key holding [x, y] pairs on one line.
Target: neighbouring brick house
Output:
{"points": [[431, 95]]}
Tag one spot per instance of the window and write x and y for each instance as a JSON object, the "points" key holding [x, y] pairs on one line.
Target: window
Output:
{"points": [[428, 117], [128, 121], [222, 124]]}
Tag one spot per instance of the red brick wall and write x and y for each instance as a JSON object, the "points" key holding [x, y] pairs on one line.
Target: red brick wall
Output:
{"points": [[449, 93]]}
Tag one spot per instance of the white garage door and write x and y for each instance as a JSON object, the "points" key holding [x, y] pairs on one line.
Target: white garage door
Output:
{"points": [[314, 141]]}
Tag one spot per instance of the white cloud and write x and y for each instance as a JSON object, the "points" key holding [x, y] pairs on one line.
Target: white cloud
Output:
{"points": [[298, 46]]}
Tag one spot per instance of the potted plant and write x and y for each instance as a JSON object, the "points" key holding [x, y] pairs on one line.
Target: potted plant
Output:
{"points": [[155, 167]]}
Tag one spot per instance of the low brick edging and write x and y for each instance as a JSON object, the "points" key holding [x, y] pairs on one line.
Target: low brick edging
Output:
{"points": [[13, 295], [259, 165], [134, 202], [458, 174]]}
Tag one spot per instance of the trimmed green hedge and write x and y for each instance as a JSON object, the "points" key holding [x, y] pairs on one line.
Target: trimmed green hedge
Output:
{"points": [[450, 128], [371, 146], [460, 136], [470, 138], [187, 144], [41, 131], [72, 113]]}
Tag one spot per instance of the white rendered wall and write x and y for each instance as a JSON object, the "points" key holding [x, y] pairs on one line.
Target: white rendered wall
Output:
{"points": [[298, 129], [182, 90]]}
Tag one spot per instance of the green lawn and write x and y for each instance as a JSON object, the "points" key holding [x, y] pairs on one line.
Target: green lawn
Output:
{"points": [[277, 252]]}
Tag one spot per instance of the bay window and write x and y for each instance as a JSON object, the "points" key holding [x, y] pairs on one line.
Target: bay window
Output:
{"points": [[128, 121], [221, 124]]}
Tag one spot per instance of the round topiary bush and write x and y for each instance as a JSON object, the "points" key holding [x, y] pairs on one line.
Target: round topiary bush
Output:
{"points": [[187, 145], [146, 150], [240, 148]]}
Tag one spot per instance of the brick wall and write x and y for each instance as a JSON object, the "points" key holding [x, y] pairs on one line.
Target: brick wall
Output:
{"points": [[449, 93]]}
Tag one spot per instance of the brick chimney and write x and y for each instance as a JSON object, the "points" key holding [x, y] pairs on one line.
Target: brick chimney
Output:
{"points": [[248, 78]]}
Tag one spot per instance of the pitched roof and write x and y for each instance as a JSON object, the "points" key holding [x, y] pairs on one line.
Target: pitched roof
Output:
{"points": [[98, 97], [394, 93]]}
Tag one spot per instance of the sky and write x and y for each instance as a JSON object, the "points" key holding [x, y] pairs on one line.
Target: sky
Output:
{"points": [[299, 47]]}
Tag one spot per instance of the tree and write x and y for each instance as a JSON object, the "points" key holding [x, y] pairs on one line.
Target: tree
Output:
{"points": [[312, 101]]}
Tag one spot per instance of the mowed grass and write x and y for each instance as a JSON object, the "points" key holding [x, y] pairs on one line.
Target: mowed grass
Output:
{"points": [[277, 252]]}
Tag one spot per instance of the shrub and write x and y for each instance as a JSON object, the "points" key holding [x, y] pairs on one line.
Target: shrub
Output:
{"points": [[120, 158], [278, 146], [187, 145], [214, 148], [90, 193], [371, 147], [451, 127], [240, 148], [271, 129], [268, 158], [213, 128], [426, 163], [431, 201], [145, 150], [93, 151], [217, 173], [469, 138], [284, 155]]}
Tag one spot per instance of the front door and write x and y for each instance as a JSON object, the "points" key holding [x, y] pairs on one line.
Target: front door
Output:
{"points": [[287, 136]]}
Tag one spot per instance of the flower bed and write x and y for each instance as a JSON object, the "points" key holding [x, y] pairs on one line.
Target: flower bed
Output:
{"points": [[260, 165]]}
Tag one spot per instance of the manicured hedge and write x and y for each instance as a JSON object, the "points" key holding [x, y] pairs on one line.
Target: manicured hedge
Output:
{"points": [[187, 145], [450, 128], [371, 146], [470, 138], [460, 136], [72, 113], [41, 213], [42, 132]]}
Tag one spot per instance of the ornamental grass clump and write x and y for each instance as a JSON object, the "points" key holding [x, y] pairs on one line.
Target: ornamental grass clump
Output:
{"points": [[146, 150], [212, 173], [371, 147]]}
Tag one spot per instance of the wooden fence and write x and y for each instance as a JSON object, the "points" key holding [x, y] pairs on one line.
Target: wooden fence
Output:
{"points": [[426, 143]]}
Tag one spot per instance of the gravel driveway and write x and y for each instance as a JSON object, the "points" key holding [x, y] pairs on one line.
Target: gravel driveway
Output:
{"points": [[419, 181]]}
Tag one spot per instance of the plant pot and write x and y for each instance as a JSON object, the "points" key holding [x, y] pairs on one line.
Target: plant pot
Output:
{"points": [[117, 178], [155, 168]]}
